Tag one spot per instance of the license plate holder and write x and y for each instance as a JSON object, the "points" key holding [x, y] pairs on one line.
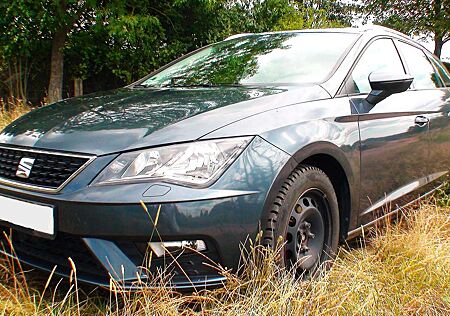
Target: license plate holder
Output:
{"points": [[38, 218]]}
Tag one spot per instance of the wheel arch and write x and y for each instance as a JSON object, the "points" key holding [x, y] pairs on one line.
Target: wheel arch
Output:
{"points": [[333, 161]]}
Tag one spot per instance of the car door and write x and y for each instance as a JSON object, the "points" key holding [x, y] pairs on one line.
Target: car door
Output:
{"points": [[432, 87], [394, 143]]}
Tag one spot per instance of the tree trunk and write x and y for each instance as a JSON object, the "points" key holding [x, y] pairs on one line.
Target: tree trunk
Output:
{"points": [[438, 43], [438, 35], [78, 87], [57, 67]]}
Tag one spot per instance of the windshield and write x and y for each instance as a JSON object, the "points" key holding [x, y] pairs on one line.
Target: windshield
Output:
{"points": [[282, 58]]}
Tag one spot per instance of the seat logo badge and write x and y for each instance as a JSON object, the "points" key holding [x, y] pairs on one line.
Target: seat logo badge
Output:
{"points": [[24, 168]]}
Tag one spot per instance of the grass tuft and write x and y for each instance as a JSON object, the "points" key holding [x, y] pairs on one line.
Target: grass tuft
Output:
{"points": [[11, 110]]}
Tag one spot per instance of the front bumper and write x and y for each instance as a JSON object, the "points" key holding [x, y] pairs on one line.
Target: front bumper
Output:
{"points": [[104, 229]]}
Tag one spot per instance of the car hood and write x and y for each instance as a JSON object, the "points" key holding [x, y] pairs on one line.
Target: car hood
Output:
{"points": [[127, 119]]}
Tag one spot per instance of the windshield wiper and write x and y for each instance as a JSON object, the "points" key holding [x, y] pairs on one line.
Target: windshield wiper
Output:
{"points": [[140, 86], [174, 84], [174, 80]]}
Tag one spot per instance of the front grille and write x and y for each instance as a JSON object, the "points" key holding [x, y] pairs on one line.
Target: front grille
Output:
{"points": [[50, 170]]}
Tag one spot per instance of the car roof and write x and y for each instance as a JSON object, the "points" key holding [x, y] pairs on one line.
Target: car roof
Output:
{"points": [[355, 30], [370, 30]]}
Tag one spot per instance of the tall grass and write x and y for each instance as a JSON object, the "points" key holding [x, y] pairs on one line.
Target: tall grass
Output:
{"points": [[402, 269], [11, 110]]}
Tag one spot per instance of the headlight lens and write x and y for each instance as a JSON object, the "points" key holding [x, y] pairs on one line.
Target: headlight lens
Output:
{"points": [[197, 163]]}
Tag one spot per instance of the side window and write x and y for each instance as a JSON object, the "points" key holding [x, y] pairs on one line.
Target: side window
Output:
{"points": [[420, 67], [380, 56], [442, 71]]}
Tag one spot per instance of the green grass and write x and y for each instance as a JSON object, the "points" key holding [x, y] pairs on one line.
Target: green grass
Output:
{"points": [[403, 268]]}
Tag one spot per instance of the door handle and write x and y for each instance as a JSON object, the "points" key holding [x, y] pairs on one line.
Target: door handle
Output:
{"points": [[421, 120]]}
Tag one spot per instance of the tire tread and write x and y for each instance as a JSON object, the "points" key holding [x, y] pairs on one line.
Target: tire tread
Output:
{"points": [[268, 231]]}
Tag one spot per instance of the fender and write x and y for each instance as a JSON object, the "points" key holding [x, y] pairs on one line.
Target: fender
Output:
{"points": [[308, 151]]}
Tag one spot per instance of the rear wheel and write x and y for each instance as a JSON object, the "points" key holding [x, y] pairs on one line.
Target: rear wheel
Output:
{"points": [[305, 214]]}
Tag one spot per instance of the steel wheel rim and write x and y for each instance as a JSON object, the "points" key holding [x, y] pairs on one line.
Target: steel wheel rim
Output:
{"points": [[308, 231]]}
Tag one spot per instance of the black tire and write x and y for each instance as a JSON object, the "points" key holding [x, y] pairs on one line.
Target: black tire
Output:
{"points": [[306, 197]]}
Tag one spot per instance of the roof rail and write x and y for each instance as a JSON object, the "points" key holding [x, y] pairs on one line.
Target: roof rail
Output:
{"points": [[383, 28], [400, 34]]}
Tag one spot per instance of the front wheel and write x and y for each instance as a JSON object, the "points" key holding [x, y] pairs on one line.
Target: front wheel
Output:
{"points": [[305, 214]]}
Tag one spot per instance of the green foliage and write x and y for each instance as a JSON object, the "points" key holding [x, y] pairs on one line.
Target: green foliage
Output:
{"points": [[112, 42], [443, 196], [425, 17], [133, 45], [412, 17]]}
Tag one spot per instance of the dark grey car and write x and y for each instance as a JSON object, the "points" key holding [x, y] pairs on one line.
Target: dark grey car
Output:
{"points": [[311, 136]]}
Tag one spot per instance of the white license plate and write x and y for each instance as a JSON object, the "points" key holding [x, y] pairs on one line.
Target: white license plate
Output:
{"points": [[32, 216]]}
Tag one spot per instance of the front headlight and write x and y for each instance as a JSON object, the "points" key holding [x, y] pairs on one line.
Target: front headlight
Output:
{"points": [[196, 163]]}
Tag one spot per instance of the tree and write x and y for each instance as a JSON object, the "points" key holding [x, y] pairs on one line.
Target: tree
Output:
{"points": [[30, 30], [22, 38], [66, 14], [421, 17], [46, 44], [275, 15]]}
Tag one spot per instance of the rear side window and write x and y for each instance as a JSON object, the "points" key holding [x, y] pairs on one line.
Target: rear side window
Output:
{"points": [[420, 67], [380, 56], [442, 71]]}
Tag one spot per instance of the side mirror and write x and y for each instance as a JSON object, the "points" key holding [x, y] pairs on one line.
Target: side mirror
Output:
{"points": [[384, 84]]}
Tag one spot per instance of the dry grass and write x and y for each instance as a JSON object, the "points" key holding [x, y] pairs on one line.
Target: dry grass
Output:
{"points": [[403, 270], [11, 110]]}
